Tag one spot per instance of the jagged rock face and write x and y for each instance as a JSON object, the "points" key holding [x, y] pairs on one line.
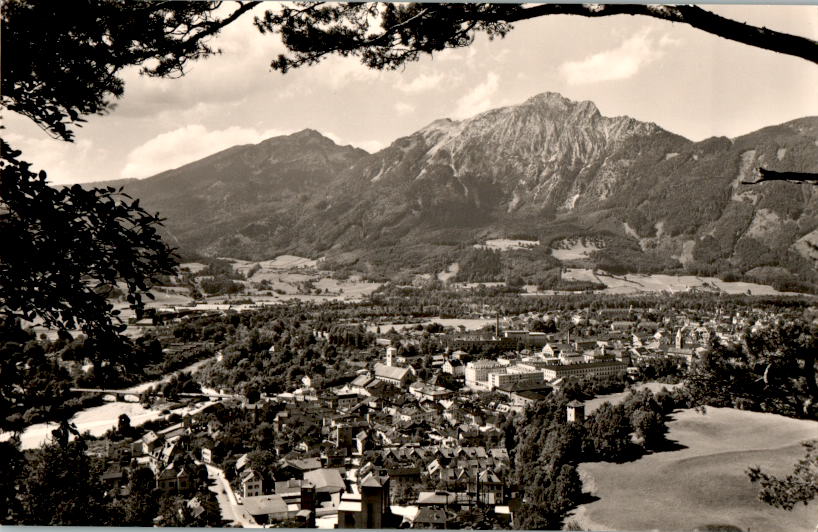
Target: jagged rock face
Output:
{"points": [[519, 168], [547, 153]]}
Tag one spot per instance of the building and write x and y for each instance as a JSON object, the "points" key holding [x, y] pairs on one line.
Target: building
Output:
{"points": [[453, 367], [392, 375], [252, 484], [576, 411], [429, 392], [477, 372], [391, 353], [521, 375], [584, 369], [368, 505], [267, 508]]}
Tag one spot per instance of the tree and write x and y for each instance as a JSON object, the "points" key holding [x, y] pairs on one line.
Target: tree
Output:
{"points": [[60, 487], [785, 356], [609, 433], [387, 36], [61, 62], [773, 370], [649, 426], [801, 486], [123, 426], [64, 250], [140, 507]]}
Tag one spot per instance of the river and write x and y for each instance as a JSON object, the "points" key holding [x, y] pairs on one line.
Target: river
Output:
{"points": [[99, 419]]}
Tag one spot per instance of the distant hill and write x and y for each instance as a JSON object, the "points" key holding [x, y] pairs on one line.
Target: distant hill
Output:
{"points": [[548, 169]]}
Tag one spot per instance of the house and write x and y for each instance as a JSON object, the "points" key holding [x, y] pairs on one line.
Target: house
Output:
{"points": [[329, 485], [267, 508], [150, 442], [171, 479], [297, 467], [360, 384], [489, 488], [429, 392], [521, 375], [436, 499], [252, 484], [402, 479], [166, 480], [343, 400], [114, 478], [430, 518], [368, 505], [195, 507], [454, 367]]}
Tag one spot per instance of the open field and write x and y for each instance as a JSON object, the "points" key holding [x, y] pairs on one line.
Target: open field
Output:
{"points": [[469, 324], [573, 249], [632, 283], [705, 482], [505, 244]]}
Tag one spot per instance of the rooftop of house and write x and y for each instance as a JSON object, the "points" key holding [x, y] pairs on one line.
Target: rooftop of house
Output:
{"points": [[265, 504], [325, 480]]}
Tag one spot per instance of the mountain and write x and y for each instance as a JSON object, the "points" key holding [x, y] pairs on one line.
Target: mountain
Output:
{"points": [[550, 169], [232, 198]]}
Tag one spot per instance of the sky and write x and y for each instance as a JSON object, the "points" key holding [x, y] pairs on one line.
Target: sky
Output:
{"points": [[686, 81]]}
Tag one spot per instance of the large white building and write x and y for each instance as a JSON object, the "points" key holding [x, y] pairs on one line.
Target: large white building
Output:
{"points": [[523, 375], [583, 369], [477, 372]]}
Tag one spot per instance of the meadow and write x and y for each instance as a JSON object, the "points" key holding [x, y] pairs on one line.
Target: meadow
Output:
{"points": [[703, 484]]}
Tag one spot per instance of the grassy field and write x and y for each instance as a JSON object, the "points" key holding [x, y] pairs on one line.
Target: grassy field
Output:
{"points": [[634, 283], [506, 244], [573, 249], [703, 483]]}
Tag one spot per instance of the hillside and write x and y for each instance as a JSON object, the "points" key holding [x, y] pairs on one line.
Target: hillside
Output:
{"points": [[548, 169]]}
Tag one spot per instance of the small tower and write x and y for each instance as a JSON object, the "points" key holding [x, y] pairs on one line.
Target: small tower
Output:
{"points": [[576, 412], [390, 355]]}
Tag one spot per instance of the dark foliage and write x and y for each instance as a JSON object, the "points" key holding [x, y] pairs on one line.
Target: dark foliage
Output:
{"points": [[65, 248]]}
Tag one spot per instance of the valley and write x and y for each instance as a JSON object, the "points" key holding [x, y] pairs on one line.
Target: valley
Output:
{"points": [[548, 174]]}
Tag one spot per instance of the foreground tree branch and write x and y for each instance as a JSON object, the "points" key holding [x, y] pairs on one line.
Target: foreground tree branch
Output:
{"points": [[793, 177], [693, 16], [62, 60], [386, 36]]}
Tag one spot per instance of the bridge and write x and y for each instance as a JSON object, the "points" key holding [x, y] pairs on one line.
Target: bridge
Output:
{"points": [[122, 393]]}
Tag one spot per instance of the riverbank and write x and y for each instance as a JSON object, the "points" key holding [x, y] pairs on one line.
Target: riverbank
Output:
{"points": [[99, 419]]}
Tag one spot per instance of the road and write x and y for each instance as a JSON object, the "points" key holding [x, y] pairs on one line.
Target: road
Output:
{"points": [[231, 509]]}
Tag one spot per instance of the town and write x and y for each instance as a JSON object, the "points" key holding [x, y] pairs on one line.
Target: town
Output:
{"points": [[313, 416]]}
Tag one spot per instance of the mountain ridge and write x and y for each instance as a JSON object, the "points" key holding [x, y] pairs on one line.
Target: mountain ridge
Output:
{"points": [[545, 167]]}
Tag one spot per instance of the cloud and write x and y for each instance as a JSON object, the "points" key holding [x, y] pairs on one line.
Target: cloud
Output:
{"points": [[240, 70], [178, 147], [479, 98], [622, 62], [403, 108], [421, 83], [63, 162], [340, 72], [369, 145]]}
